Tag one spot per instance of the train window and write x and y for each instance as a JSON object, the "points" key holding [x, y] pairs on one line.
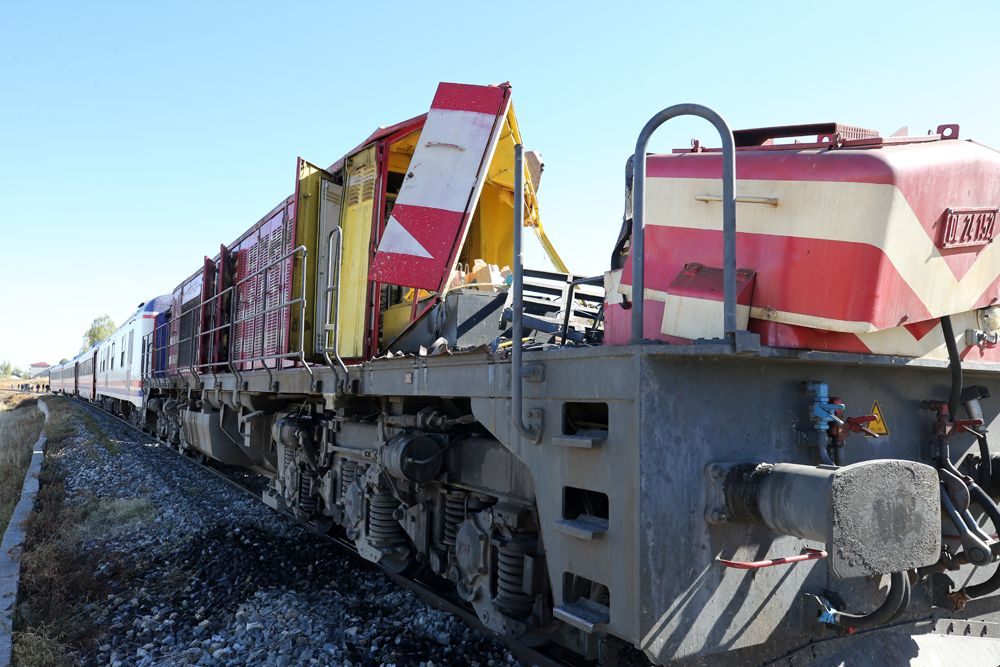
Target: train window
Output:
{"points": [[112, 356], [585, 419]]}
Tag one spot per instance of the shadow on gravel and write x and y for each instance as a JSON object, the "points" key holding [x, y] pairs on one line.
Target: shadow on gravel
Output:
{"points": [[198, 574]]}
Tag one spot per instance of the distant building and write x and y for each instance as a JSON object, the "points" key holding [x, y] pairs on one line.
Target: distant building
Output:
{"points": [[38, 368]]}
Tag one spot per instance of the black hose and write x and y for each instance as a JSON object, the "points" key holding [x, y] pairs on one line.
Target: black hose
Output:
{"points": [[955, 363], [986, 464], [905, 602], [993, 583], [899, 586], [944, 459]]}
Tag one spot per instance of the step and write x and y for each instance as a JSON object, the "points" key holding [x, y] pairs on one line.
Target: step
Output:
{"points": [[584, 527], [579, 441], [585, 615]]}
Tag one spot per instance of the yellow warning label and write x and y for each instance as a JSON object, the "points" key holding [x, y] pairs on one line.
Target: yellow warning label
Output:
{"points": [[878, 426]]}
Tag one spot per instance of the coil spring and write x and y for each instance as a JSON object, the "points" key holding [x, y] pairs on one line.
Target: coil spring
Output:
{"points": [[308, 501], [383, 529], [511, 598], [348, 472], [289, 456], [454, 514]]}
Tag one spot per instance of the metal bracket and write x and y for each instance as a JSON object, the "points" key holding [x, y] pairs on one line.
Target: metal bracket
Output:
{"points": [[536, 422], [534, 372]]}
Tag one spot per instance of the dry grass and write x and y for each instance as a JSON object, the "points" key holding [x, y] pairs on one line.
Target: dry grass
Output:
{"points": [[58, 585], [20, 424]]}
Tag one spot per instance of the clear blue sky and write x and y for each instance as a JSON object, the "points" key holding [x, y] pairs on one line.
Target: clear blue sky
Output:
{"points": [[136, 137]]}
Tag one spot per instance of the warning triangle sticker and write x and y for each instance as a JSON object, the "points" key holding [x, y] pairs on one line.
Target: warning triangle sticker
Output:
{"points": [[878, 426]]}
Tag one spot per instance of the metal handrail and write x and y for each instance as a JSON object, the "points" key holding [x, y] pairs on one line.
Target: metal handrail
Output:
{"points": [[517, 307], [592, 280], [333, 287], [728, 215], [197, 336]]}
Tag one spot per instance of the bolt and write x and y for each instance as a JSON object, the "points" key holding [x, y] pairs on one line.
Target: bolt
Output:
{"points": [[718, 516]]}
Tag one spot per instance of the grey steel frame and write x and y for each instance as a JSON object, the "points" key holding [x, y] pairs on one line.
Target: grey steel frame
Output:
{"points": [[516, 367]]}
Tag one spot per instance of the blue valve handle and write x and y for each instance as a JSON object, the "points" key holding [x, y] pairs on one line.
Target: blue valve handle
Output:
{"points": [[821, 412]]}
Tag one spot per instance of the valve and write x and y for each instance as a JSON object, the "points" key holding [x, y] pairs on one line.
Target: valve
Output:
{"points": [[827, 414], [824, 409], [860, 425]]}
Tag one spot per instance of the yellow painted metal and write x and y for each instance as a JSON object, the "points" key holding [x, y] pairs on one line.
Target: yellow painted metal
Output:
{"points": [[360, 180], [490, 235], [306, 230]]}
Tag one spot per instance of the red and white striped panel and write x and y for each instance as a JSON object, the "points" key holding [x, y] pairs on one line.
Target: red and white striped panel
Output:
{"points": [[422, 236], [851, 242]]}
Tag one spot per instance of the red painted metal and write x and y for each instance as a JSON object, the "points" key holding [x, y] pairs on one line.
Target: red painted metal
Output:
{"points": [[222, 305], [832, 131], [968, 227], [773, 256], [206, 316], [807, 554], [477, 99], [422, 238]]}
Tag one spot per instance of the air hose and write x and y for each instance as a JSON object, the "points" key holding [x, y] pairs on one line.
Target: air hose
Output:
{"points": [[896, 601], [955, 397], [955, 364], [976, 493]]}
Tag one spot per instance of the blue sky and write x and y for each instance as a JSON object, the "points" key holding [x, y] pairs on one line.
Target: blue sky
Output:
{"points": [[136, 137]]}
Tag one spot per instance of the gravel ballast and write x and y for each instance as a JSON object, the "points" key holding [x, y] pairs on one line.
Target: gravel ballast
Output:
{"points": [[199, 573]]}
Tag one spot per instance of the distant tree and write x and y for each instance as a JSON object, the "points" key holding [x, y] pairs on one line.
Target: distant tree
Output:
{"points": [[63, 361], [18, 372], [99, 329], [6, 369]]}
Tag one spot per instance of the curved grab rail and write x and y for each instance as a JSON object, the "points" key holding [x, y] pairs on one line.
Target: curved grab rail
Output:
{"points": [[728, 215]]}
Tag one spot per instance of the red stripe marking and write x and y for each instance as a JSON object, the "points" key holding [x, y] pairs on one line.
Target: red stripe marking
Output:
{"points": [[437, 231], [930, 177], [847, 166], [776, 334], [795, 275], [463, 97], [920, 329], [973, 353]]}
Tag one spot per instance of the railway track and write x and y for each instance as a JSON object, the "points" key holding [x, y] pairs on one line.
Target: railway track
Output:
{"points": [[251, 485]]}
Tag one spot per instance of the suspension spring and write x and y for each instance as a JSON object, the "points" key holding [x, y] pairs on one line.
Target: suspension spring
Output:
{"points": [[308, 500], [511, 598], [454, 514], [383, 529], [348, 472]]}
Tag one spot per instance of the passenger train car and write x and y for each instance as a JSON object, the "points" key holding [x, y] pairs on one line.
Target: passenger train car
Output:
{"points": [[762, 434], [109, 373]]}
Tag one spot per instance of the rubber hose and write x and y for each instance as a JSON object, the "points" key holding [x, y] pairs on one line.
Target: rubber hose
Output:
{"points": [[944, 460], [899, 584], [993, 583], [905, 602], [955, 363], [986, 467]]}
